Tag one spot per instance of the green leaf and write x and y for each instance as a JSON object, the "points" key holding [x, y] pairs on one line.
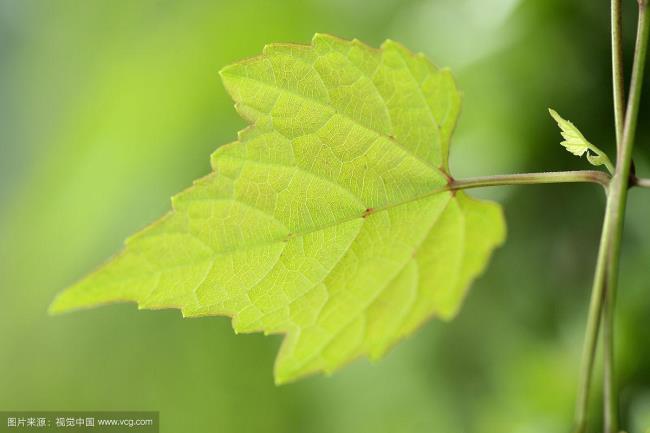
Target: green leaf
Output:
{"points": [[330, 220], [577, 144]]}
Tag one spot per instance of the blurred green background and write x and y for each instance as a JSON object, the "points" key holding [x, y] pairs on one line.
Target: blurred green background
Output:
{"points": [[109, 107]]}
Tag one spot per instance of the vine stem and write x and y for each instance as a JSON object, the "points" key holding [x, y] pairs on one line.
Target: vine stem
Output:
{"points": [[610, 393], [618, 195], [639, 181], [593, 176], [618, 80], [606, 274]]}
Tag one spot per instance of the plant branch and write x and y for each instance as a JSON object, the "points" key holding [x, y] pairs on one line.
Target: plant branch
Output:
{"points": [[618, 196], [618, 70], [606, 275], [593, 325], [639, 181], [610, 394], [593, 176]]}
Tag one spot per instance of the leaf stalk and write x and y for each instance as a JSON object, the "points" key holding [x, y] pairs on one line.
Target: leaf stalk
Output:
{"points": [[640, 182], [593, 176]]}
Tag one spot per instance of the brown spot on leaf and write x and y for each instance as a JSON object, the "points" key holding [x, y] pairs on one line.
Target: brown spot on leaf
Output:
{"points": [[368, 212]]}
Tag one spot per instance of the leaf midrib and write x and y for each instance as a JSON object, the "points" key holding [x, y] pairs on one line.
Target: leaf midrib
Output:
{"points": [[286, 238]]}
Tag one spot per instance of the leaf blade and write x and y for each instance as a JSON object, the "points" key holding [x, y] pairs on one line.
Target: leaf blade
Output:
{"points": [[329, 220]]}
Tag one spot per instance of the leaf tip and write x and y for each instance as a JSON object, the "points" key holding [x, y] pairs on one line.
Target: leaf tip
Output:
{"points": [[233, 70], [54, 309], [554, 114], [389, 44], [60, 304], [281, 376], [223, 70], [318, 36], [65, 302], [279, 380]]}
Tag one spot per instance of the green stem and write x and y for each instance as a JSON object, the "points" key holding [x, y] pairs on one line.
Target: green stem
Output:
{"points": [[639, 181], [592, 176], [609, 252], [617, 70], [610, 394], [593, 325], [618, 195]]}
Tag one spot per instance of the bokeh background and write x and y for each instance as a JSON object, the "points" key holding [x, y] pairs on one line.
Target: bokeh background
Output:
{"points": [[109, 107]]}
